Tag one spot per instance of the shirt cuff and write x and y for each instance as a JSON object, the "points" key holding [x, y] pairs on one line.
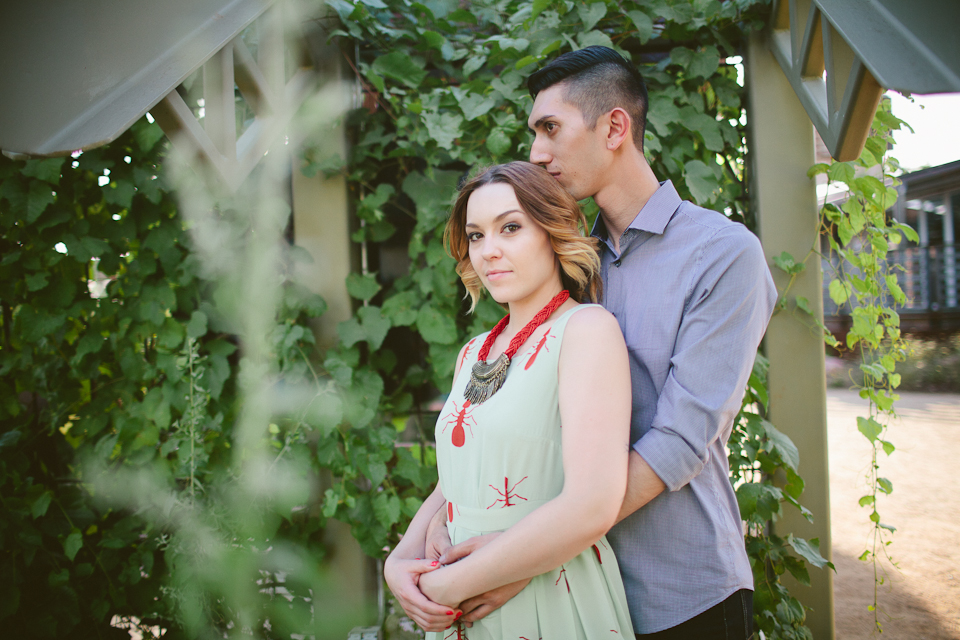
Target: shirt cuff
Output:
{"points": [[670, 457]]}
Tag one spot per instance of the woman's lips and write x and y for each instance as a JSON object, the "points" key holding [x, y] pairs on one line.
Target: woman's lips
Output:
{"points": [[496, 275]]}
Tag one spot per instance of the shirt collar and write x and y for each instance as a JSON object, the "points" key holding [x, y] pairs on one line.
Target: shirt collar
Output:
{"points": [[654, 215]]}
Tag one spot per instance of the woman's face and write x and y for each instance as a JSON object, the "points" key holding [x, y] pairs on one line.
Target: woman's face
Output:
{"points": [[509, 251]]}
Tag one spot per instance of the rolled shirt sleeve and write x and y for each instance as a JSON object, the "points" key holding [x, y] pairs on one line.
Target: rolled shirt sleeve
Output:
{"points": [[727, 310]]}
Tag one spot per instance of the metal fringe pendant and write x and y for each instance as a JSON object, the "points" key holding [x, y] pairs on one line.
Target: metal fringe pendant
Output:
{"points": [[486, 379]]}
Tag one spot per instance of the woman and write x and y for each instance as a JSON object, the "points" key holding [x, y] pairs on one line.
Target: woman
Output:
{"points": [[533, 439]]}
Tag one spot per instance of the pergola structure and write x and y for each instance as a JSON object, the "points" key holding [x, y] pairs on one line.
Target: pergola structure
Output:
{"points": [[824, 62]]}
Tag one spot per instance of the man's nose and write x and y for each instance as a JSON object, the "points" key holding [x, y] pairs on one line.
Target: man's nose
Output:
{"points": [[538, 153]]}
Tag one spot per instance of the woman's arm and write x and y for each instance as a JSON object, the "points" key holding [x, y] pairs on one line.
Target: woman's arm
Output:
{"points": [[595, 412], [408, 561], [406, 565]]}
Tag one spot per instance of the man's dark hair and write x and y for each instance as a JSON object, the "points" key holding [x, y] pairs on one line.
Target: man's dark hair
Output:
{"points": [[596, 80]]}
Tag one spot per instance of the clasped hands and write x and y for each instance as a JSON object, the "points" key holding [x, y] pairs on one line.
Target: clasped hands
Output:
{"points": [[405, 579]]}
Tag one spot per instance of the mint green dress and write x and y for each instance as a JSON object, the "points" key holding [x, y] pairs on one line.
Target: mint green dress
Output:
{"points": [[500, 460]]}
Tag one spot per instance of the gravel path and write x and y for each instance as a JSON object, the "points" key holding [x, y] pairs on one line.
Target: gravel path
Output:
{"points": [[921, 599]]}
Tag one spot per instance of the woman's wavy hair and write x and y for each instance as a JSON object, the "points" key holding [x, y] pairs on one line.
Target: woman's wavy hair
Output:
{"points": [[551, 207]]}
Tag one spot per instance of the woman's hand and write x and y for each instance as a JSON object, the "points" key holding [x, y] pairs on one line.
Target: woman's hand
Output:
{"points": [[403, 576]]}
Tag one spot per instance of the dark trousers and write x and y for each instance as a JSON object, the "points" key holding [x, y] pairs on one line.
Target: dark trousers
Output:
{"points": [[732, 619]]}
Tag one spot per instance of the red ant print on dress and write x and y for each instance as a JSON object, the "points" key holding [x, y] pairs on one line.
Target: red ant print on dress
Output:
{"points": [[460, 633], [507, 493], [466, 352], [563, 574], [536, 350], [458, 418]]}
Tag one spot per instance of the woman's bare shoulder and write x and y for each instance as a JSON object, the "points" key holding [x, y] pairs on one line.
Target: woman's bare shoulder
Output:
{"points": [[594, 325]]}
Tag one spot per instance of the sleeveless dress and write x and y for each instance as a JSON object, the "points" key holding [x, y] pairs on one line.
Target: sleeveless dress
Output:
{"points": [[499, 461]]}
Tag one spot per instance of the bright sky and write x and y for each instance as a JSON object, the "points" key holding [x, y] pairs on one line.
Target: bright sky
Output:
{"points": [[936, 121]]}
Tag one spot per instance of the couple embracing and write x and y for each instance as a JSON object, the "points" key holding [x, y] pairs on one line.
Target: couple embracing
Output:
{"points": [[584, 488]]}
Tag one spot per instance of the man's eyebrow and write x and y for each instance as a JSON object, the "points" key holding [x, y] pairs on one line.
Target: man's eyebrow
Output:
{"points": [[539, 122], [502, 215]]}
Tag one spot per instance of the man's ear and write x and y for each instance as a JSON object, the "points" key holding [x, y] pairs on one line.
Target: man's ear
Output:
{"points": [[619, 128]]}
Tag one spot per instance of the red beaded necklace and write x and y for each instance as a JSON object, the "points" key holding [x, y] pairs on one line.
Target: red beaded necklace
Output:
{"points": [[486, 379]]}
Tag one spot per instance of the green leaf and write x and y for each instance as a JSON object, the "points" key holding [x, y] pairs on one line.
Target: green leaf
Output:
{"points": [[374, 325], [197, 327], [436, 326], [643, 23], [433, 39], [72, 544], [47, 170], [883, 484], [783, 445], [869, 427], [444, 128], [400, 67], [817, 169], [841, 172], [147, 134], [701, 182], [840, 291], [591, 14], [171, 334], [888, 447], [400, 308], [120, 194], [498, 142], [38, 199], [475, 105], [866, 501], [36, 281], [525, 61], [41, 504], [804, 305], [539, 6], [368, 326], [363, 287], [473, 63], [786, 263], [387, 509], [594, 39], [809, 551]]}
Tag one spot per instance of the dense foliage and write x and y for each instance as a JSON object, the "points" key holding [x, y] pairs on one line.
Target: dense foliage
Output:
{"points": [[119, 366]]}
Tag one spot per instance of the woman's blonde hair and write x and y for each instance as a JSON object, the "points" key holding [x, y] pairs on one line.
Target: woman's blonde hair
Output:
{"points": [[550, 206]]}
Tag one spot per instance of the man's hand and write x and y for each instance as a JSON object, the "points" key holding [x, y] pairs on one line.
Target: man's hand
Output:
{"points": [[482, 605], [402, 576], [437, 539]]}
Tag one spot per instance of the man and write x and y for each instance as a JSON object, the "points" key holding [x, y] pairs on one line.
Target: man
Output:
{"points": [[693, 296]]}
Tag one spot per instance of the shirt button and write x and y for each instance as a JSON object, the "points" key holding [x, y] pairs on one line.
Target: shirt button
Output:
{"points": [[616, 263]]}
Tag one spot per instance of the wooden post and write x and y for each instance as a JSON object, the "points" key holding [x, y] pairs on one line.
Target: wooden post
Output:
{"points": [[782, 149]]}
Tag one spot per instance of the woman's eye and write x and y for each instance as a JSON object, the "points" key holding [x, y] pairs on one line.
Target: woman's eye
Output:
{"points": [[510, 227], [473, 237]]}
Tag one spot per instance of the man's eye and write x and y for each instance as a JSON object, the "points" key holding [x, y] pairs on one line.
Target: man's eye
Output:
{"points": [[550, 126]]}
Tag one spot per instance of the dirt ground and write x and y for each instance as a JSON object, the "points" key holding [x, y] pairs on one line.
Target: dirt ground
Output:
{"points": [[921, 599]]}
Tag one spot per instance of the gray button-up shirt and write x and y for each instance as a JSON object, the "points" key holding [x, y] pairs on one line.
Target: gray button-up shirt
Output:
{"points": [[693, 295]]}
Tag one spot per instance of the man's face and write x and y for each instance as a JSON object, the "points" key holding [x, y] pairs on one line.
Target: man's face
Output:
{"points": [[572, 153]]}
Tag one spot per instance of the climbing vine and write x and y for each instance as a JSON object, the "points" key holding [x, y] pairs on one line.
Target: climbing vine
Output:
{"points": [[854, 240]]}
